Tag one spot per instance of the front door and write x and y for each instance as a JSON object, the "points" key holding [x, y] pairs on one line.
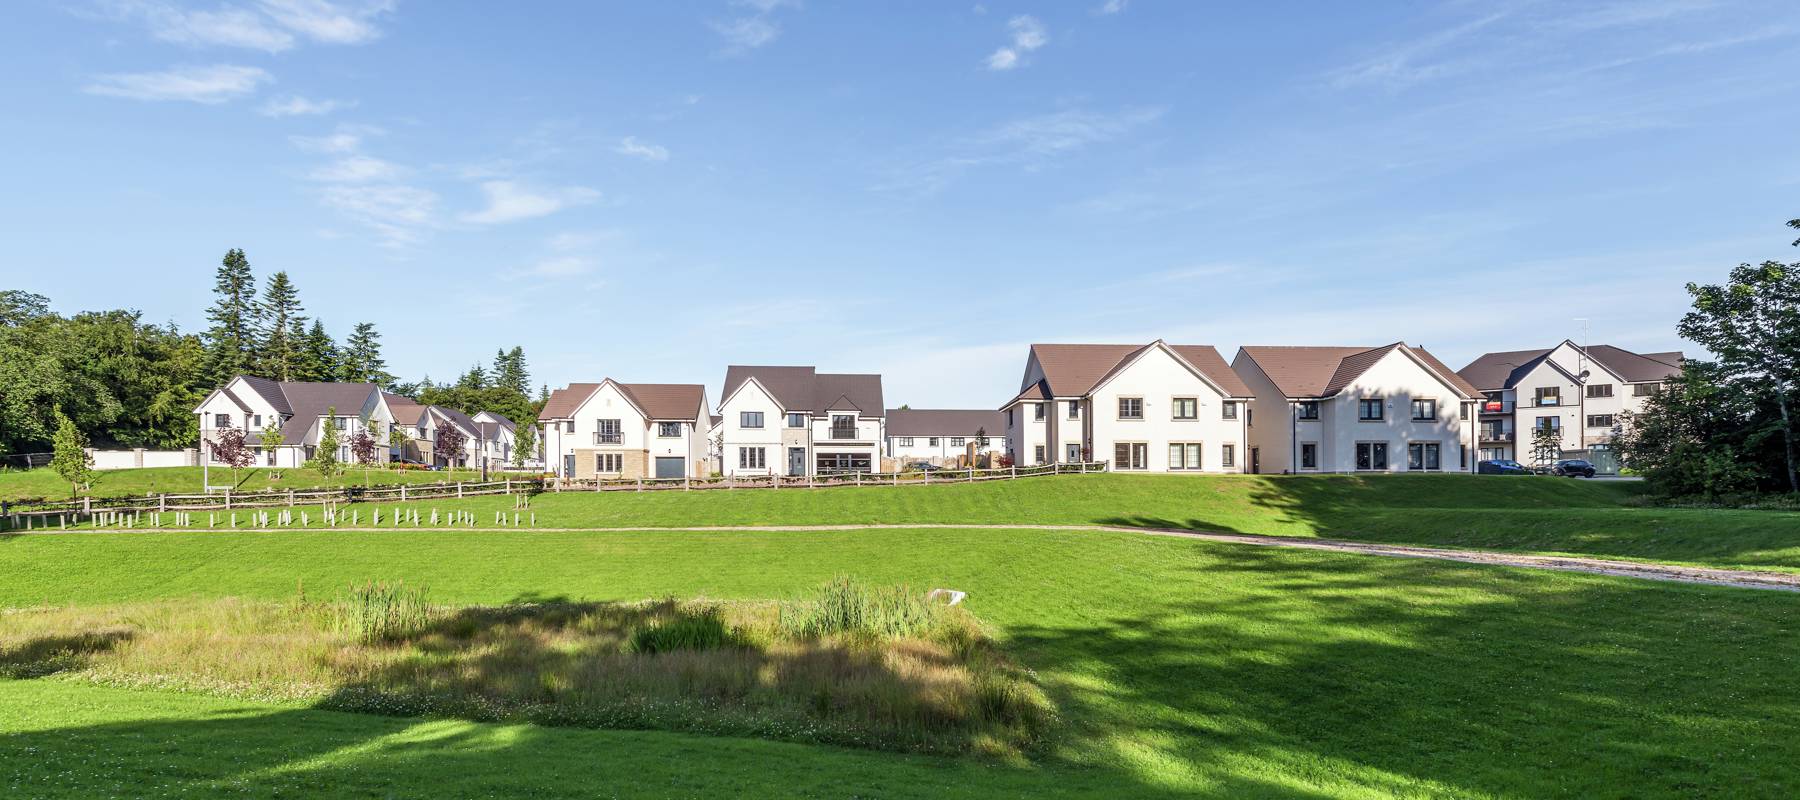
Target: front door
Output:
{"points": [[569, 466], [796, 461], [1255, 460]]}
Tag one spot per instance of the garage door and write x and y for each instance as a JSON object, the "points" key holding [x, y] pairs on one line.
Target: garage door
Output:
{"points": [[671, 467]]}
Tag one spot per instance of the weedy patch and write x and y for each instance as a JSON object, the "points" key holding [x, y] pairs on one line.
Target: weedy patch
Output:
{"points": [[878, 667]]}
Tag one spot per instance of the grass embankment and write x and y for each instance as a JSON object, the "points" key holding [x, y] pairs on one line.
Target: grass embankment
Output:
{"points": [[45, 484], [1538, 515], [1177, 668], [853, 665]]}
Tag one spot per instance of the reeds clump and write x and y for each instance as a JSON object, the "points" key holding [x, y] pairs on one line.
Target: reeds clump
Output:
{"points": [[385, 612], [703, 629], [846, 606]]}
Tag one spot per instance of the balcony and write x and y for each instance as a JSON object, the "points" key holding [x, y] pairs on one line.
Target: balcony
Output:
{"points": [[1496, 436], [608, 438], [841, 433], [1546, 402], [1497, 407]]}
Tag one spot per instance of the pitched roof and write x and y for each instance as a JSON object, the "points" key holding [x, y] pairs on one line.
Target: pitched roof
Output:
{"points": [[405, 409], [1325, 371], [1039, 390], [500, 419], [564, 401], [806, 389], [311, 400], [666, 400], [457, 418], [1504, 370], [242, 406], [1073, 370], [270, 391], [944, 422]]}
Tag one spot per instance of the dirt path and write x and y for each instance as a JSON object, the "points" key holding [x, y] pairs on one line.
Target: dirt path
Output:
{"points": [[1746, 579]]}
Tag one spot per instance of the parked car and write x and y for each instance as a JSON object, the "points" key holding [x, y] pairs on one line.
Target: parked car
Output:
{"points": [[1573, 467], [1501, 466], [922, 466]]}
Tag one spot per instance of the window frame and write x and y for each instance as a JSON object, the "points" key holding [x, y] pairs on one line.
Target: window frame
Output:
{"points": [[1308, 409], [1137, 456], [1074, 409], [1363, 406], [1228, 455], [1433, 409], [1611, 419], [1123, 417], [662, 430], [1193, 410], [1538, 393], [744, 418], [1593, 394], [958, 441], [791, 417], [1037, 411], [1309, 455], [747, 461], [1038, 451], [221, 421], [617, 460], [1429, 457], [903, 441], [1228, 410], [1372, 448]]}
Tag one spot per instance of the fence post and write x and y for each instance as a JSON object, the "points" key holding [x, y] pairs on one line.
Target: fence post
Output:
{"points": [[402, 492], [640, 483], [509, 485], [971, 474], [162, 503], [87, 505], [858, 479], [459, 490]]}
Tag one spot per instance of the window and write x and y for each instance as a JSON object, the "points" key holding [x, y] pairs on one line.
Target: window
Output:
{"points": [[1422, 455], [1073, 454], [1309, 455], [1644, 389], [1553, 423], [1185, 408], [1309, 409], [831, 463], [956, 441], [749, 419], [1037, 411], [1600, 420], [796, 420], [933, 441], [609, 463], [1184, 455], [1131, 408], [608, 431], [1369, 409], [1074, 409], [1228, 410], [904, 441], [1549, 395], [843, 426], [1462, 410], [753, 457], [1131, 455], [568, 427], [423, 433], [1371, 455], [256, 420], [1228, 455], [221, 420], [1424, 410], [1009, 421], [668, 430], [1599, 390], [1039, 453]]}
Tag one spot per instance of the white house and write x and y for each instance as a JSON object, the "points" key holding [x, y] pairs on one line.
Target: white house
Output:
{"points": [[1155, 407], [1394, 408], [298, 409], [1577, 391], [798, 421], [940, 436], [499, 437], [626, 430]]}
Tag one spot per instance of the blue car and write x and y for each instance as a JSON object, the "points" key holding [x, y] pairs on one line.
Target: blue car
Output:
{"points": [[1501, 466]]}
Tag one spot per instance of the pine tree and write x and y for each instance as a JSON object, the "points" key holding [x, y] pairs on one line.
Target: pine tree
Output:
{"points": [[362, 361], [475, 378], [319, 358], [231, 340], [278, 350], [510, 371]]}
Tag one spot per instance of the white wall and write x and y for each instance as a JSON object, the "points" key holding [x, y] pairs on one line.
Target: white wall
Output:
{"points": [[751, 397], [923, 450], [1397, 380], [1158, 378]]}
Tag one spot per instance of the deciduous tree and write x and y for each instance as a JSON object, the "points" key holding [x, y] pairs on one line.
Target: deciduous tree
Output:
{"points": [[71, 459], [1752, 325]]}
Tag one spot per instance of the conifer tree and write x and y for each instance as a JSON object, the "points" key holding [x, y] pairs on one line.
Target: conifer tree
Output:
{"points": [[319, 358], [362, 361], [231, 339], [278, 349]]}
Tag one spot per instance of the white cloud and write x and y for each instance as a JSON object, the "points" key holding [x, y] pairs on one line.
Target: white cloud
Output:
{"points": [[1028, 34], [346, 139], [508, 201], [1111, 7], [226, 27], [1029, 142], [630, 146], [356, 169], [329, 22], [743, 34], [297, 106], [214, 84], [557, 267], [396, 212], [766, 6]]}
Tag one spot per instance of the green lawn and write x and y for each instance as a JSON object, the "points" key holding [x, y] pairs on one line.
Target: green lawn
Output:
{"points": [[1179, 667], [43, 483], [1540, 515]]}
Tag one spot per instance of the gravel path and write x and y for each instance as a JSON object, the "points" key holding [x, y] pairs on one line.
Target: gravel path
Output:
{"points": [[1747, 579]]}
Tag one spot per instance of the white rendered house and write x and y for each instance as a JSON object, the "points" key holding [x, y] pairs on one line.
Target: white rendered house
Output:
{"points": [[939, 436], [1578, 391], [799, 421], [1144, 408], [625, 430], [1394, 408], [299, 410]]}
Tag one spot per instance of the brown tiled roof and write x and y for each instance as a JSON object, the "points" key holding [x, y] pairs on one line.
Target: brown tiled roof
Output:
{"points": [[1504, 370], [806, 389], [1073, 370], [1325, 371], [1495, 371], [944, 422], [406, 410], [564, 401], [666, 400], [457, 418], [1039, 390], [310, 401], [1635, 366], [270, 391]]}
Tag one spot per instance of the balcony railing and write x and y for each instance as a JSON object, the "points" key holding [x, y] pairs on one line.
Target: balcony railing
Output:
{"points": [[1545, 402], [1496, 436], [608, 438], [1497, 407], [839, 432]]}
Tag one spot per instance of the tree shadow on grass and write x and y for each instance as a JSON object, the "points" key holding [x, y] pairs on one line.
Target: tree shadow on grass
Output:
{"points": [[48, 655], [1144, 521], [1405, 677]]}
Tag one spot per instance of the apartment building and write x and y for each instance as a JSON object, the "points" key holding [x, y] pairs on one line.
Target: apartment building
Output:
{"points": [[1577, 391]]}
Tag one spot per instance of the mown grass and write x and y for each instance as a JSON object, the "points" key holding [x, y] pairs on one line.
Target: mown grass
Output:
{"points": [[1178, 668], [933, 683], [1538, 515], [45, 484]]}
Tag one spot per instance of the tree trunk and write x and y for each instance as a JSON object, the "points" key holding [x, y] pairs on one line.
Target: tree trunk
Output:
{"points": [[1787, 438]]}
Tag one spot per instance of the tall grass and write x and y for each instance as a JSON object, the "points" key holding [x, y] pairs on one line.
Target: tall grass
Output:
{"points": [[846, 606], [380, 611]]}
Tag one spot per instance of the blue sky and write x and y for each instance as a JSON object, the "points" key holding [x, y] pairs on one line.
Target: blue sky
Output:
{"points": [[650, 191]]}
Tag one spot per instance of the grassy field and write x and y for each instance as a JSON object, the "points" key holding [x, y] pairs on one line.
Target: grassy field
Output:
{"points": [[43, 483], [1177, 667], [1539, 515]]}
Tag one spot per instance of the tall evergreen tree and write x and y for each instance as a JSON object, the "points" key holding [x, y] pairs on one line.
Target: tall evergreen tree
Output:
{"points": [[510, 371], [362, 359], [230, 342], [475, 378], [319, 358], [278, 317]]}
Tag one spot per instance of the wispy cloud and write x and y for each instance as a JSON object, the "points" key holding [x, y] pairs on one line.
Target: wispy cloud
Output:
{"points": [[630, 146], [1029, 142], [218, 83], [556, 267], [329, 22], [1027, 34], [269, 25], [345, 139], [399, 213], [509, 201], [297, 106], [1111, 7], [1406, 63], [747, 32], [356, 169]]}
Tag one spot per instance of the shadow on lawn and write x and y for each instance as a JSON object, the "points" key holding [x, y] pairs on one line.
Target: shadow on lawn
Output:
{"points": [[1404, 677]]}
